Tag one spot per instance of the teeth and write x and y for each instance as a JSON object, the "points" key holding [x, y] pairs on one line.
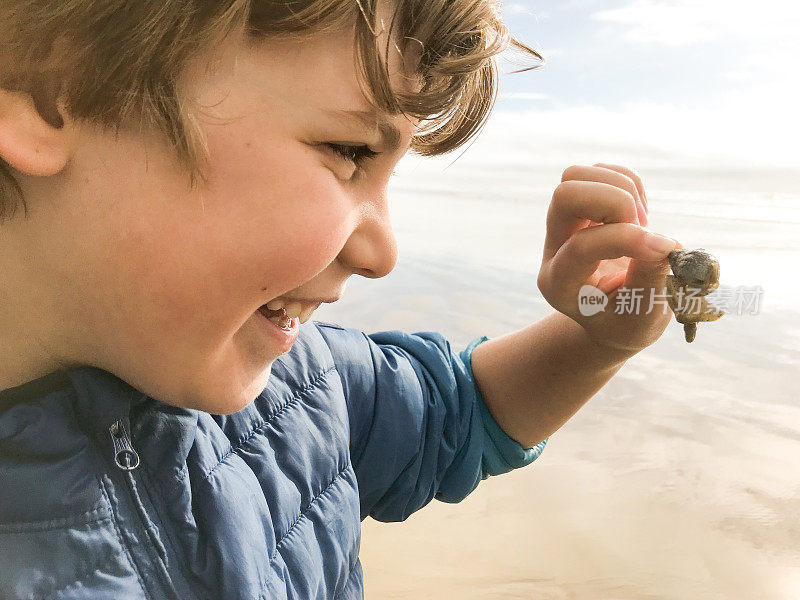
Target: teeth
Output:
{"points": [[293, 309], [276, 304]]}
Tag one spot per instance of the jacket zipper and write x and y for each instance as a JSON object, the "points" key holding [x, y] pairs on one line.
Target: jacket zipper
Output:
{"points": [[125, 456], [127, 460]]}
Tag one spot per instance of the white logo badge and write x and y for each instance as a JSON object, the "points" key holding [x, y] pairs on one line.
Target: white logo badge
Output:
{"points": [[591, 300]]}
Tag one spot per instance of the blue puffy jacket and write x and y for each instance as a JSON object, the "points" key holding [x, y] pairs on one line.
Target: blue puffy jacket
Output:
{"points": [[106, 493]]}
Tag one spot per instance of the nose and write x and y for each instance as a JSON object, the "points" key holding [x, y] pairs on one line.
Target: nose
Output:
{"points": [[371, 250]]}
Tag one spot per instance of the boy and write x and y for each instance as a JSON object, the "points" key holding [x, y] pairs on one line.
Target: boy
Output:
{"points": [[165, 430]]}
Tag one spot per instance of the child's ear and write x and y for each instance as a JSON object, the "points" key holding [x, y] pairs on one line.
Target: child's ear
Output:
{"points": [[34, 139]]}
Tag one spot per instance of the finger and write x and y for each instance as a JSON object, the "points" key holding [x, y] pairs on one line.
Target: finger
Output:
{"points": [[611, 177], [637, 179], [576, 202], [580, 256], [627, 171]]}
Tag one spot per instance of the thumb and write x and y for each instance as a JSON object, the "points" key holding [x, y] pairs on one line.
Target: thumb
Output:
{"points": [[648, 275]]}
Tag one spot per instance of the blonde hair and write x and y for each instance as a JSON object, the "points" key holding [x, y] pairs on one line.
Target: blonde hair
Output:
{"points": [[117, 63]]}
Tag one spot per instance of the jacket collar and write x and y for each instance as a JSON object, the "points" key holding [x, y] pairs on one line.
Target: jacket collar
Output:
{"points": [[101, 397], [38, 388]]}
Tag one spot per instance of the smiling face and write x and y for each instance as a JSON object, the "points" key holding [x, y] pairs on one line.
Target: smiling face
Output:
{"points": [[129, 270]]}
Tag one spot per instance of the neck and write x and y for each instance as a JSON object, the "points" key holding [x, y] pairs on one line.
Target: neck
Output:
{"points": [[21, 361], [27, 319]]}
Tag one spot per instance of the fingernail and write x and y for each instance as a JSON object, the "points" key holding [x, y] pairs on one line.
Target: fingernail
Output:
{"points": [[660, 243]]}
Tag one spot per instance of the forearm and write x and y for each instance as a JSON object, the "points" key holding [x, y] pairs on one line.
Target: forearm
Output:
{"points": [[533, 380]]}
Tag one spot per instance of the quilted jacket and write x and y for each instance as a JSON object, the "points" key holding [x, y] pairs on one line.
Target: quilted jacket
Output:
{"points": [[106, 493]]}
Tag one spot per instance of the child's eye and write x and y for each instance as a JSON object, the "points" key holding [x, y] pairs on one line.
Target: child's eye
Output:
{"points": [[356, 154]]}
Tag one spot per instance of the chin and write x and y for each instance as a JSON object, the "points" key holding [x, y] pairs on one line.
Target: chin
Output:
{"points": [[227, 409], [229, 399], [225, 406]]}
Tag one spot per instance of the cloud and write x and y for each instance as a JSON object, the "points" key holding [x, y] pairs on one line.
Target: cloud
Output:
{"points": [[523, 96], [517, 8], [664, 23], [683, 22], [761, 44]]}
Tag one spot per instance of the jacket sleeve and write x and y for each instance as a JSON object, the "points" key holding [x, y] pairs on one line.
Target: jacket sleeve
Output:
{"points": [[419, 427]]}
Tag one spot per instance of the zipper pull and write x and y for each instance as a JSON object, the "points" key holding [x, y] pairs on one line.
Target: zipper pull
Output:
{"points": [[124, 454]]}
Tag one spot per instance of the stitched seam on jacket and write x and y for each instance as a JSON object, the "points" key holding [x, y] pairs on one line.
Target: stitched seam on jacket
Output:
{"points": [[313, 383], [122, 542], [244, 439], [303, 512], [82, 576], [17, 527]]}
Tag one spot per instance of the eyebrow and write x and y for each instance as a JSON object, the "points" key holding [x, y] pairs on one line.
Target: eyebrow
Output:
{"points": [[390, 134]]}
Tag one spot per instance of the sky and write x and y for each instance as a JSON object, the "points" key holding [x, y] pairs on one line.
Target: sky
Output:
{"points": [[665, 84]]}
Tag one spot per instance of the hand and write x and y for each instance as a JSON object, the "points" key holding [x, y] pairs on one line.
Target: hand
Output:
{"points": [[596, 235]]}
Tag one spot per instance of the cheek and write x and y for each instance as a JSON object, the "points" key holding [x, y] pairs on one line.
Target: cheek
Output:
{"points": [[281, 211], [174, 286], [300, 237]]}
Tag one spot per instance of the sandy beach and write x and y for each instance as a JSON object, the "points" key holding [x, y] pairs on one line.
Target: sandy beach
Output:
{"points": [[677, 480]]}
